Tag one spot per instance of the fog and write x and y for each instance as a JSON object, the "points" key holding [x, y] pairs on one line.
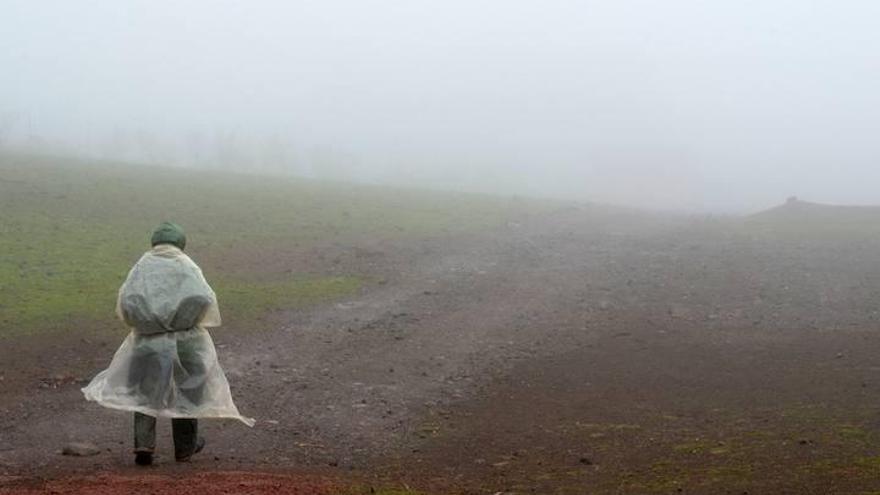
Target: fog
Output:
{"points": [[681, 104]]}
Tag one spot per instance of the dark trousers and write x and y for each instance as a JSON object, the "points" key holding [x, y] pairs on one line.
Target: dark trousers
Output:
{"points": [[185, 432]]}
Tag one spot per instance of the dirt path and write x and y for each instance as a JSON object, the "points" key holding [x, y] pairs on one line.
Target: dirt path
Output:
{"points": [[575, 353]]}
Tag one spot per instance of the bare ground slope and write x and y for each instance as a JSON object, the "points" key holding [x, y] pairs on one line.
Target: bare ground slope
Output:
{"points": [[572, 353]]}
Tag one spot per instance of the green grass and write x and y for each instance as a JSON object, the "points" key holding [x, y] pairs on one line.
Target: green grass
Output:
{"points": [[71, 229], [250, 299]]}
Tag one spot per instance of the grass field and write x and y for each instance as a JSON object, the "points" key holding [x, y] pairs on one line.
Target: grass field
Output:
{"points": [[70, 230]]}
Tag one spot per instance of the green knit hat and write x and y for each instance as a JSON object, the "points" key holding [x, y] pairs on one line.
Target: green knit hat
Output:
{"points": [[169, 233]]}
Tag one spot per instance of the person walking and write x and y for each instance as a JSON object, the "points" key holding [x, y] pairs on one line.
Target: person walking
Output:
{"points": [[167, 366]]}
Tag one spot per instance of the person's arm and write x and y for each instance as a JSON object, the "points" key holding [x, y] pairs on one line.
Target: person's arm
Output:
{"points": [[211, 317], [119, 313]]}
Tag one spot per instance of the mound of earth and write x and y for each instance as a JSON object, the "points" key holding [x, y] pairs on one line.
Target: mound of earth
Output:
{"points": [[796, 211]]}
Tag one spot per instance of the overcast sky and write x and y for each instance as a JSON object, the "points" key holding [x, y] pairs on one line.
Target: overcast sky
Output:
{"points": [[684, 104]]}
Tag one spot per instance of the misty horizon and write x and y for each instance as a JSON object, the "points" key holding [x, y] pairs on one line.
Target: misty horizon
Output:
{"points": [[679, 106]]}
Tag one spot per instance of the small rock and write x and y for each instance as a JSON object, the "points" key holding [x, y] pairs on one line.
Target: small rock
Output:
{"points": [[80, 449]]}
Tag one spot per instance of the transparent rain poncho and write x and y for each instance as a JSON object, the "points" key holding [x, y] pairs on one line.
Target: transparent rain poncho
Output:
{"points": [[167, 366]]}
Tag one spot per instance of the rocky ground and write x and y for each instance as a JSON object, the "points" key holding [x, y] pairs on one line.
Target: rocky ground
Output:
{"points": [[583, 351]]}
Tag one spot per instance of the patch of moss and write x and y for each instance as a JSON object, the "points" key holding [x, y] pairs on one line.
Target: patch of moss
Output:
{"points": [[667, 477], [727, 473], [657, 483], [852, 433], [868, 465]]}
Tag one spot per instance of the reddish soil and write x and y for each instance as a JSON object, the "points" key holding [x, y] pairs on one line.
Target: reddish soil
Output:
{"points": [[221, 482], [575, 353]]}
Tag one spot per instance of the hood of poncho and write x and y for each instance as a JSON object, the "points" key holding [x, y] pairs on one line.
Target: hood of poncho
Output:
{"points": [[169, 233]]}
